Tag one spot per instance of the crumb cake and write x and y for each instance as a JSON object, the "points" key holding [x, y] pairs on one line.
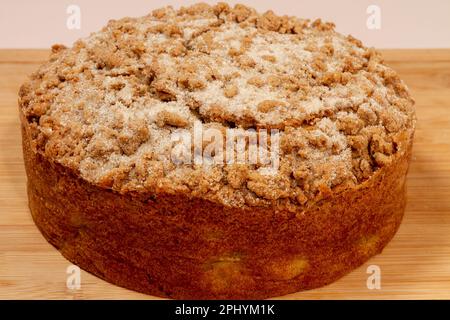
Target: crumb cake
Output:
{"points": [[98, 121]]}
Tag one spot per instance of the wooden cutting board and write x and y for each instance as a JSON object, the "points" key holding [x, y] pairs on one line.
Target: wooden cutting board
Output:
{"points": [[416, 264]]}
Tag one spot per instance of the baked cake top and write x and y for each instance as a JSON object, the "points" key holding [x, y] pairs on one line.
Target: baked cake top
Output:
{"points": [[110, 106]]}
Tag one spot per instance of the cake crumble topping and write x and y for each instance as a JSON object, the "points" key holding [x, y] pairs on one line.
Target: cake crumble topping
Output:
{"points": [[108, 106]]}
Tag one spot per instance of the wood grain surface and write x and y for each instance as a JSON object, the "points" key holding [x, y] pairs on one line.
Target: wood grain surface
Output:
{"points": [[415, 265]]}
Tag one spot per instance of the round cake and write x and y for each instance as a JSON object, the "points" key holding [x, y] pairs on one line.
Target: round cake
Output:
{"points": [[215, 152]]}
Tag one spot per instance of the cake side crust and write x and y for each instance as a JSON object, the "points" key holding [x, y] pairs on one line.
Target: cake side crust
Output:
{"points": [[190, 248]]}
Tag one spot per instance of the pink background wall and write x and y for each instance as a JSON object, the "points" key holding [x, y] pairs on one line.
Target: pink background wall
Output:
{"points": [[404, 24]]}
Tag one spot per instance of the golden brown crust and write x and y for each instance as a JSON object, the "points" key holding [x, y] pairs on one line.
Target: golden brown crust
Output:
{"points": [[190, 248], [97, 118]]}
